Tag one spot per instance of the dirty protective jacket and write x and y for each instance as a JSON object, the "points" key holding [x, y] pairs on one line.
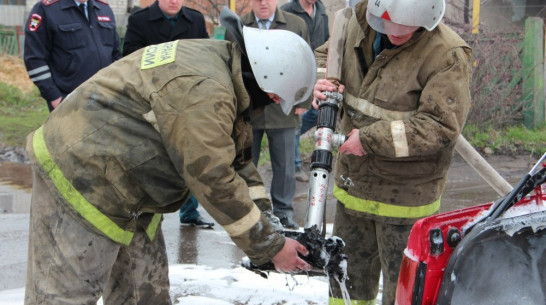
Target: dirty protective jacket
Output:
{"points": [[409, 105], [144, 131]]}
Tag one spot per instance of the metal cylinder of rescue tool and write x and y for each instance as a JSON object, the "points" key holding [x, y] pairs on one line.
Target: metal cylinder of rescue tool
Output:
{"points": [[321, 160]]}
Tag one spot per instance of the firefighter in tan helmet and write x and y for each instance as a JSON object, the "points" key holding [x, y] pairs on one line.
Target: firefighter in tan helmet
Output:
{"points": [[131, 142], [405, 79]]}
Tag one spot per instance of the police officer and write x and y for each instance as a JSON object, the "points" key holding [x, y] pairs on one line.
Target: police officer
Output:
{"points": [[144, 132], [66, 42]]}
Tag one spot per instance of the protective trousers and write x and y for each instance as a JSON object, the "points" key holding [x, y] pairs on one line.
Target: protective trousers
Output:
{"points": [[372, 247], [70, 264]]}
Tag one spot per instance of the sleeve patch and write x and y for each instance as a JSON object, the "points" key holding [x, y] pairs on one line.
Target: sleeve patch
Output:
{"points": [[34, 22]]}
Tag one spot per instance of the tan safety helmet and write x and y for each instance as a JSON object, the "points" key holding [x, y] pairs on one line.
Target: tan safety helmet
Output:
{"points": [[282, 63], [401, 17]]}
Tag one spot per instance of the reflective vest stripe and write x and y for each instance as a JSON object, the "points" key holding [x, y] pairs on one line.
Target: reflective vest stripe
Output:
{"points": [[244, 224], [154, 224], [78, 202], [398, 131], [385, 209], [365, 107]]}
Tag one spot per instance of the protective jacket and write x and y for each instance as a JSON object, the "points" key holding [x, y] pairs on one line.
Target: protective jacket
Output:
{"points": [[410, 105], [63, 48], [317, 25], [160, 122], [273, 116], [150, 26]]}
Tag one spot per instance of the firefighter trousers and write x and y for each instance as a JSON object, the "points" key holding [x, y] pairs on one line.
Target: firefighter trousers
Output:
{"points": [[69, 264], [372, 247]]}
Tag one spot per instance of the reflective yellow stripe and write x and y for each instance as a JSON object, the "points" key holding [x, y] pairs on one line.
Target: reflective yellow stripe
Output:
{"points": [[244, 224], [152, 227], [398, 131], [384, 209], [78, 202], [336, 301], [365, 107]]}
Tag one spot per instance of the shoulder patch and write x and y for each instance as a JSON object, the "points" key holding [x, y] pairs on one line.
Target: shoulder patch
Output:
{"points": [[103, 2], [49, 2], [158, 55], [34, 22]]}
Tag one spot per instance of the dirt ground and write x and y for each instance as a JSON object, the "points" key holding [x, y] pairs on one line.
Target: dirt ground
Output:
{"points": [[13, 72]]}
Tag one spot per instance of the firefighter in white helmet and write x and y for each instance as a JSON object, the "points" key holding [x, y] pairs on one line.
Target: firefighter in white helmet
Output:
{"points": [[406, 84], [142, 133]]}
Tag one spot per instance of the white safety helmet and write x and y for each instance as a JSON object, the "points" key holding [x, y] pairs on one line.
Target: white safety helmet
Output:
{"points": [[401, 17], [282, 63]]}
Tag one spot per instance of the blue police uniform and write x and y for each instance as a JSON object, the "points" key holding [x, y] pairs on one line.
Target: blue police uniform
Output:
{"points": [[63, 48]]}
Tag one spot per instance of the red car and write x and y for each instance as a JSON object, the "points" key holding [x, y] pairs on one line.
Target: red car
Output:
{"points": [[488, 254]]}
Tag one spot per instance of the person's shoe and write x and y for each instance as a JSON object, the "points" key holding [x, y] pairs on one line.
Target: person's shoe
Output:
{"points": [[288, 222], [198, 222], [301, 176]]}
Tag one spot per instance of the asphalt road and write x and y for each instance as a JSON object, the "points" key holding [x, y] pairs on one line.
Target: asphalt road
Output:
{"points": [[213, 247]]}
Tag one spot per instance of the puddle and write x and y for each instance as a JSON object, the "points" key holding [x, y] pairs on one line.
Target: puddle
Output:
{"points": [[15, 187]]}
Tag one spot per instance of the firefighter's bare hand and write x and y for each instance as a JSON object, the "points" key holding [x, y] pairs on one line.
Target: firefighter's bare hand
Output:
{"points": [[321, 86], [287, 260], [352, 145]]}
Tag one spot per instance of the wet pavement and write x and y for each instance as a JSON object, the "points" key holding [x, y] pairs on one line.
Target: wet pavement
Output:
{"points": [[188, 245]]}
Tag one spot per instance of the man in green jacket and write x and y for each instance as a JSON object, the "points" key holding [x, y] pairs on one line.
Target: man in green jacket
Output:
{"points": [[278, 123], [133, 142], [406, 82]]}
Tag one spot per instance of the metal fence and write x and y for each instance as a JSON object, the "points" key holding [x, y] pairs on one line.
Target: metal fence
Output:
{"points": [[10, 40]]}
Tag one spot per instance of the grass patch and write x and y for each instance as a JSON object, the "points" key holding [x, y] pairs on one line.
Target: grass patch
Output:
{"points": [[20, 113], [509, 140]]}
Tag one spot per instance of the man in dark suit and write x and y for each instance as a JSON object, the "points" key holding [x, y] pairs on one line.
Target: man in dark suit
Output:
{"points": [[164, 20], [168, 20]]}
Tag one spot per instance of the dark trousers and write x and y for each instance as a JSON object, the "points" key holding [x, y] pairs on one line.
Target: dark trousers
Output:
{"points": [[281, 152]]}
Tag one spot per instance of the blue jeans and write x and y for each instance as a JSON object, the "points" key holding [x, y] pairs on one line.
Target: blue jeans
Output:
{"points": [[188, 211], [308, 121]]}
